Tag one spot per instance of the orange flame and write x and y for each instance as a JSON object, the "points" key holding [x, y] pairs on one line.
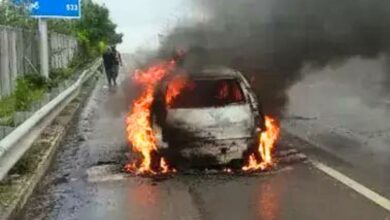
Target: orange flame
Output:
{"points": [[164, 166], [175, 86], [267, 140], [138, 126], [142, 137]]}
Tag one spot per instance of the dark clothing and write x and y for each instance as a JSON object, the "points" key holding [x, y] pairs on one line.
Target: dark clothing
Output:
{"points": [[117, 60], [116, 57], [115, 71], [107, 60], [111, 76], [111, 60]]}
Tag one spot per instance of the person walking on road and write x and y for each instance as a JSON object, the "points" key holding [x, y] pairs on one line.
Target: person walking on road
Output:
{"points": [[108, 65], [117, 61]]}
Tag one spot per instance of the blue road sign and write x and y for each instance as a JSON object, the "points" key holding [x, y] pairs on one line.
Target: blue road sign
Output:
{"points": [[55, 8]]}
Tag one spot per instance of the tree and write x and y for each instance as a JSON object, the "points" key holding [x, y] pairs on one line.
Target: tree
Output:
{"points": [[12, 15], [95, 28]]}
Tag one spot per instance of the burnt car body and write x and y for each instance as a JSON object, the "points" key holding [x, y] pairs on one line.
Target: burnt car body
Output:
{"points": [[215, 119]]}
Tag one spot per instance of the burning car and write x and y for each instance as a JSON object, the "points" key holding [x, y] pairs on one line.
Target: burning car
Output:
{"points": [[208, 117]]}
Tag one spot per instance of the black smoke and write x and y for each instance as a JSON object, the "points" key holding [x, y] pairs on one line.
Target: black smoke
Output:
{"points": [[271, 40]]}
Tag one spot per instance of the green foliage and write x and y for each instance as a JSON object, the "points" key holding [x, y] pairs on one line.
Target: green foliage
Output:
{"points": [[29, 88], [85, 44], [7, 106], [97, 25], [59, 75], [102, 47], [36, 81], [11, 15], [62, 26], [21, 93], [78, 61], [94, 30]]}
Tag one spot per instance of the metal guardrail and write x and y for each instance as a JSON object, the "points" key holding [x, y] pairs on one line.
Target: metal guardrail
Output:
{"points": [[15, 144]]}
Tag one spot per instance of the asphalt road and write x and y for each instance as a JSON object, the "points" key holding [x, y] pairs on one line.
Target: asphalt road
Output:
{"points": [[344, 110], [296, 191]]}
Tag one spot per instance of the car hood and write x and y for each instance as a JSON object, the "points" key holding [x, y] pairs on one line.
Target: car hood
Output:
{"points": [[228, 122]]}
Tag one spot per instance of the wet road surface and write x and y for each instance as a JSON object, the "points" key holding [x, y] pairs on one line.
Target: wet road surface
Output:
{"points": [[298, 191], [344, 110]]}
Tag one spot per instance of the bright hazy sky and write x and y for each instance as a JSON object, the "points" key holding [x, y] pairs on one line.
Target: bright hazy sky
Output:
{"points": [[142, 20]]}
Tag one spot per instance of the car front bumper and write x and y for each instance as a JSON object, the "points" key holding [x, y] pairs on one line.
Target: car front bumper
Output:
{"points": [[216, 152]]}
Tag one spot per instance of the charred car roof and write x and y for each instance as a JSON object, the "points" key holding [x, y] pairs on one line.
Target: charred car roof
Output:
{"points": [[216, 72]]}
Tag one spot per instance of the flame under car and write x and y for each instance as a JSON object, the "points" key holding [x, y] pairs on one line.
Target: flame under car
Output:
{"points": [[210, 117]]}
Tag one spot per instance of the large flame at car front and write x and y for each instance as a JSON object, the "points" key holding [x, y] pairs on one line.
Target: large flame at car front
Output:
{"points": [[138, 125], [267, 142]]}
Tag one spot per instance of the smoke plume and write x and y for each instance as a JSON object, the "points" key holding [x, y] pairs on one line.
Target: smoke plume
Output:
{"points": [[271, 40]]}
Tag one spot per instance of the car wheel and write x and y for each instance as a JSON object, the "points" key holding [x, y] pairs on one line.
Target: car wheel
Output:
{"points": [[253, 148]]}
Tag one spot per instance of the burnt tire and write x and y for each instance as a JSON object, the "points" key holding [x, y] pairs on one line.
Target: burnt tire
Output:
{"points": [[253, 149], [155, 160], [236, 164]]}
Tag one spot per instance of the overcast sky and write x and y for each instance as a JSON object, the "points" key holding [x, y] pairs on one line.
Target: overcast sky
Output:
{"points": [[142, 20]]}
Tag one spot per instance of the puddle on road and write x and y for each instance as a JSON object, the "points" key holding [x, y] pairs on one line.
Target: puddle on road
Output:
{"points": [[111, 171]]}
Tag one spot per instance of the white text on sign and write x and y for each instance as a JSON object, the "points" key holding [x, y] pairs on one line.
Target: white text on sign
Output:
{"points": [[72, 7]]}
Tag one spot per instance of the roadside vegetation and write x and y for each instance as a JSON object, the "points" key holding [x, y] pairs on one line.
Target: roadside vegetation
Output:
{"points": [[94, 32], [31, 88]]}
